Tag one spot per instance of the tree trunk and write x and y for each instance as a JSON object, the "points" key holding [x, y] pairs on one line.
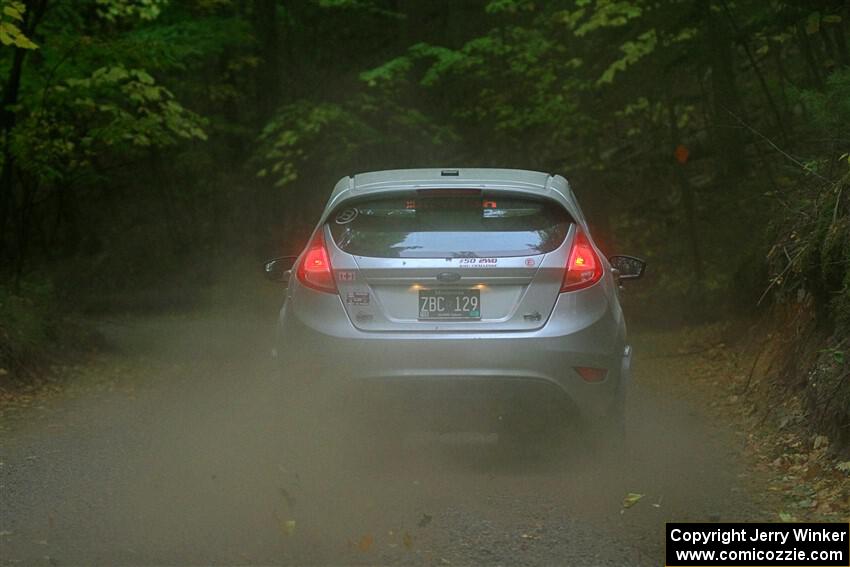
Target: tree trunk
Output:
{"points": [[811, 62], [742, 40], [686, 192], [34, 13], [267, 79], [7, 123], [841, 43], [726, 105], [25, 214]]}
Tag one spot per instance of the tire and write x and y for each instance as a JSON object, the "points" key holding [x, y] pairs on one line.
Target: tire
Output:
{"points": [[336, 422], [522, 434], [605, 437]]}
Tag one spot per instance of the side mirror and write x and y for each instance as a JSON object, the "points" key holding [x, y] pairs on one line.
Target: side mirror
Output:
{"points": [[278, 269], [627, 267]]}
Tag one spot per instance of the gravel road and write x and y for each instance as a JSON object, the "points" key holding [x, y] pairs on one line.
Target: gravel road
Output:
{"points": [[172, 448]]}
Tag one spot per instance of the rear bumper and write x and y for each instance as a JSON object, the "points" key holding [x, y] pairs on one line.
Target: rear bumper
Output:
{"points": [[454, 371]]}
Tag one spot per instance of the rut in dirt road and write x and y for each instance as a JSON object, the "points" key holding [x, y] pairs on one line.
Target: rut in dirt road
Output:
{"points": [[186, 457]]}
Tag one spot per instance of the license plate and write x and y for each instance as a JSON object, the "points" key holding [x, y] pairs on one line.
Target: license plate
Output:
{"points": [[449, 304]]}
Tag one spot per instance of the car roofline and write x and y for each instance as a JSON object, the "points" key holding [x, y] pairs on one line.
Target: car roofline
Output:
{"points": [[533, 183]]}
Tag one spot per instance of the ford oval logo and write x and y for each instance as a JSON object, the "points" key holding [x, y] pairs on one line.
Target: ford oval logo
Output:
{"points": [[346, 216], [448, 277]]}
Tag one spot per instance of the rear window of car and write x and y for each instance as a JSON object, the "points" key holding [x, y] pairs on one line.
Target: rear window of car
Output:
{"points": [[449, 224]]}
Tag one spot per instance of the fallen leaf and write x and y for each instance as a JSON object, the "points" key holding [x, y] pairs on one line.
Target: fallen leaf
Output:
{"points": [[288, 527], [786, 517], [631, 499], [407, 540], [365, 543]]}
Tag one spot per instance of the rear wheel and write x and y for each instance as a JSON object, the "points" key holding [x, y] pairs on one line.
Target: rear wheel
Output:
{"points": [[605, 436], [333, 419], [527, 432], [560, 428], [304, 403]]}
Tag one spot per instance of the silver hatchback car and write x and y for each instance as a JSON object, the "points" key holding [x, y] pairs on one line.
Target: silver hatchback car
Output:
{"points": [[447, 294]]}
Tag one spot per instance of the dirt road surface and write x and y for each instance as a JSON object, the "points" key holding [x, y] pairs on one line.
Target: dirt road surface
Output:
{"points": [[173, 448]]}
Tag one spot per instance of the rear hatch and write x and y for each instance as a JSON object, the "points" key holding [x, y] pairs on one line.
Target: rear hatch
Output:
{"points": [[449, 259]]}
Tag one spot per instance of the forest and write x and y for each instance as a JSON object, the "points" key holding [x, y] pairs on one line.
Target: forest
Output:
{"points": [[143, 136], [152, 143], [147, 141], [149, 148]]}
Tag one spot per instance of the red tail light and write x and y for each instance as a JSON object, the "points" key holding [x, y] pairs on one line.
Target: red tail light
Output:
{"points": [[315, 270], [583, 267]]}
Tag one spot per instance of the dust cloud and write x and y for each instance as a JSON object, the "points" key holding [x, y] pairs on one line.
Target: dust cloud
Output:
{"points": [[199, 454]]}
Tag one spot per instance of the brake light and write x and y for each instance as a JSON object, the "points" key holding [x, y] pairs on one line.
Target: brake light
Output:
{"points": [[315, 270], [584, 268]]}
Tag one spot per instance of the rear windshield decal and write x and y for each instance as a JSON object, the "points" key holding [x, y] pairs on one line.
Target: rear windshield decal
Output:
{"points": [[346, 216]]}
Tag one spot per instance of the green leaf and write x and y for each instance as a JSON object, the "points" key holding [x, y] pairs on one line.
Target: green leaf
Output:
{"points": [[14, 10], [11, 35], [631, 499], [813, 23], [633, 51]]}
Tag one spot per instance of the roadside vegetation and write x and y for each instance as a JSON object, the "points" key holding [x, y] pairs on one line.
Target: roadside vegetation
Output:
{"points": [[734, 369], [148, 146]]}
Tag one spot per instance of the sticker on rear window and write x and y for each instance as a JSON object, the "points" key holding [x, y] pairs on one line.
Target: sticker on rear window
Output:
{"points": [[357, 298], [346, 216]]}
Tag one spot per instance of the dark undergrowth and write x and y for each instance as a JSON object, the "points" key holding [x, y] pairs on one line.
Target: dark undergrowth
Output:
{"points": [[809, 327], [37, 334]]}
